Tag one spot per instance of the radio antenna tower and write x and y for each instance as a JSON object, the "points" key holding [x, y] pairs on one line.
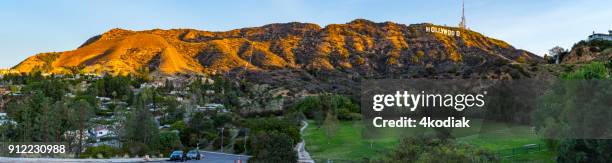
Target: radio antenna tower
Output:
{"points": [[462, 23]]}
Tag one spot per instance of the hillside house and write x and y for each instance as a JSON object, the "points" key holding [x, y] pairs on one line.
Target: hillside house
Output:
{"points": [[100, 131], [212, 107], [4, 90], [104, 136], [4, 119], [155, 84], [601, 36]]}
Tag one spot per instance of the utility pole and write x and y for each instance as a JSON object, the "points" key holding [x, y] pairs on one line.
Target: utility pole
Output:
{"points": [[222, 128], [246, 132]]}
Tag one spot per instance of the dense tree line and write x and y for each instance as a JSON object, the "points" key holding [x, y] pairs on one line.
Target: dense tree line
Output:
{"points": [[318, 107], [273, 139], [574, 113], [54, 109], [140, 132], [45, 114]]}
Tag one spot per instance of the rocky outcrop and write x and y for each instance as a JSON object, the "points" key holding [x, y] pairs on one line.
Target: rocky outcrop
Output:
{"points": [[588, 51]]}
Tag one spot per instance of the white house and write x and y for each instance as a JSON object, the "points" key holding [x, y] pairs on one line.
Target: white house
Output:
{"points": [[101, 131], [4, 90], [5, 119], [103, 99], [601, 36], [212, 107]]}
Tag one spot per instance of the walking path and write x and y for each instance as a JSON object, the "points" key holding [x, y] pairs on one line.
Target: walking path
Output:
{"points": [[303, 155]]}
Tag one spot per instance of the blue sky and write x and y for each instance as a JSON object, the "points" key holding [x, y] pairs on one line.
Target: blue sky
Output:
{"points": [[30, 27]]}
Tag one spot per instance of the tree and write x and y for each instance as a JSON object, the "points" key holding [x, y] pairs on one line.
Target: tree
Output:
{"points": [[173, 112], [115, 87], [22, 114], [168, 85], [8, 131], [48, 121], [35, 117], [558, 54], [330, 125], [140, 134], [273, 147], [273, 124], [311, 107], [222, 119], [369, 133], [169, 140], [83, 112], [53, 88], [62, 112], [316, 107], [584, 150], [198, 128]]}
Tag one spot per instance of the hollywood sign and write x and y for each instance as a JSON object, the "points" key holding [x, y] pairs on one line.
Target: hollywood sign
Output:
{"points": [[448, 32]]}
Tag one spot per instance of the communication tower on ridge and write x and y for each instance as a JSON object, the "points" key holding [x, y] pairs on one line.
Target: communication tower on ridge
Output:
{"points": [[462, 23]]}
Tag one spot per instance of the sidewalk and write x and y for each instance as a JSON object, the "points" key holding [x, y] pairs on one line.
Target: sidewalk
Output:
{"points": [[34, 160]]}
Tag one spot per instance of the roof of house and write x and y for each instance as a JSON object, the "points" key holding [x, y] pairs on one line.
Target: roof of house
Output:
{"points": [[100, 128]]}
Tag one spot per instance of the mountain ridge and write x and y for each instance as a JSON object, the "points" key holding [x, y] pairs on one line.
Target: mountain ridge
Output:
{"points": [[361, 45]]}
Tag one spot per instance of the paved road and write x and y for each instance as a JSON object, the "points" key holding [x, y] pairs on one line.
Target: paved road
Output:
{"points": [[64, 160], [209, 157], [216, 157]]}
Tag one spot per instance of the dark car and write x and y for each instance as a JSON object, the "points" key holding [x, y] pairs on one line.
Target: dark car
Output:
{"points": [[194, 154], [178, 156]]}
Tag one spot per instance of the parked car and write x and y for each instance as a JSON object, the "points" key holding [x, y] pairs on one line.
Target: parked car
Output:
{"points": [[194, 154], [178, 156]]}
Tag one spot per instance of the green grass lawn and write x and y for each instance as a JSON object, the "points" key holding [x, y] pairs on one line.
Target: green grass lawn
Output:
{"points": [[348, 144]]}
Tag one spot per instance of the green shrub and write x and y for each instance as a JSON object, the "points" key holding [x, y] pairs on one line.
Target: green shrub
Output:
{"points": [[424, 149], [103, 151], [281, 125], [217, 142], [595, 70], [273, 147], [239, 145], [169, 141]]}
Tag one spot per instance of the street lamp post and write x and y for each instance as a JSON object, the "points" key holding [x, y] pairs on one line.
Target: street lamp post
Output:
{"points": [[222, 128]]}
